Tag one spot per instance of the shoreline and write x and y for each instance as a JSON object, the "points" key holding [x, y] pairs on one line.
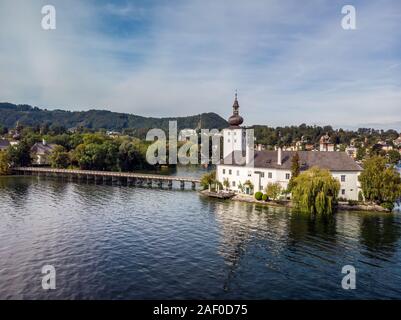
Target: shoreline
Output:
{"points": [[342, 206]]}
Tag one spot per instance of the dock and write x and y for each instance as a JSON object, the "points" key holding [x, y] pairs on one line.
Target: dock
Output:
{"points": [[219, 195]]}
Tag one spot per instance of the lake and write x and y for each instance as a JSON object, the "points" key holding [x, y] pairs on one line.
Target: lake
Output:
{"points": [[116, 242]]}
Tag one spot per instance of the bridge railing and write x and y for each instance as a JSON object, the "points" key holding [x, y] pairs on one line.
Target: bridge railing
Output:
{"points": [[108, 173]]}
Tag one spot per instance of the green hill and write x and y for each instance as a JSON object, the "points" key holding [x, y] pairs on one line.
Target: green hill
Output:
{"points": [[100, 119]]}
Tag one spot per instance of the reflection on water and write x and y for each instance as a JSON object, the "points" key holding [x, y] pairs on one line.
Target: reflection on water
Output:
{"points": [[126, 242]]}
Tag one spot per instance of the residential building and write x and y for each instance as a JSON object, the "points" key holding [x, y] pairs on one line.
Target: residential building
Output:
{"points": [[41, 151]]}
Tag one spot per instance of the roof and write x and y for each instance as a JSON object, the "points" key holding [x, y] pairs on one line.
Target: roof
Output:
{"points": [[333, 161], [4, 144], [40, 148]]}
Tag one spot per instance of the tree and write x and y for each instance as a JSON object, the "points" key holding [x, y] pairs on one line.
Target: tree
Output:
{"points": [[380, 182], [394, 156], [4, 163], [20, 155], [131, 155], [295, 170], [208, 179], [360, 153], [96, 154], [60, 158], [226, 183], [273, 190], [315, 191]]}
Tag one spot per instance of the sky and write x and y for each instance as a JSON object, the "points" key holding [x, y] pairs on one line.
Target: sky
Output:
{"points": [[291, 61]]}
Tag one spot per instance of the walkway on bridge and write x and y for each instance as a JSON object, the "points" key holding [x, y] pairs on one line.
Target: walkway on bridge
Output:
{"points": [[130, 177]]}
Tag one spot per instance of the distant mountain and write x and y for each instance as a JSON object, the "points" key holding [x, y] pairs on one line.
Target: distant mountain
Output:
{"points": [[100, 119]]}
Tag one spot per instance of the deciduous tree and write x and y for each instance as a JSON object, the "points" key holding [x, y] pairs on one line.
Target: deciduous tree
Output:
{"points": [[380, 182], [315, 191]]}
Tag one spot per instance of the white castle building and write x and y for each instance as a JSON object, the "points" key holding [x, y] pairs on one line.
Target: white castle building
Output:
{"points": [[241, 163]]}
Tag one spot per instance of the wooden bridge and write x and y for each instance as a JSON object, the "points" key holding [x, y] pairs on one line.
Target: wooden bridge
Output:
{"points": [[129, 178]]}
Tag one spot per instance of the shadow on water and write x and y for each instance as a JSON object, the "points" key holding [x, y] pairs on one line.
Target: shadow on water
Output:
{"points": [[380, 232], [17, 190], [304, 226]]}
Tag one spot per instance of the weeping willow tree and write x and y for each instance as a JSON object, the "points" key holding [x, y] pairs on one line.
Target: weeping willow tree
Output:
{"points": [[315, 191]]}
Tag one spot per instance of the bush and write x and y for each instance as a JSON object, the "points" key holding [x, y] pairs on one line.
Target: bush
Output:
{"points": [[388, 205], [352, 202], [360, 196], [265, 197], [258, 195]]}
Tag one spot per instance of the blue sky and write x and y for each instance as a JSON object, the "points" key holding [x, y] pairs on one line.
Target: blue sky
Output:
{"points": [[291, 61]]}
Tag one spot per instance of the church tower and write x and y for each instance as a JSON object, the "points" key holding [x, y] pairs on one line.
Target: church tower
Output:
{"points": [[234, 137]]}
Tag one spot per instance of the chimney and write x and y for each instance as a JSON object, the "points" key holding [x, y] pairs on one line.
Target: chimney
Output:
{"points": [[279, 156]]}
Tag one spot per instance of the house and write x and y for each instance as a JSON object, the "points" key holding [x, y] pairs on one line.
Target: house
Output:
{"points": [[41, 151], [397, 142], [383, 145], [4, 144], [242, 163], [325, 143], [351, 151]]}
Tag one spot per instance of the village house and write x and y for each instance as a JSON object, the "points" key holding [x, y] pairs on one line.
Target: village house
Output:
{"points": [[241, 163], [41, 151], [397, 142], [351, 151]]}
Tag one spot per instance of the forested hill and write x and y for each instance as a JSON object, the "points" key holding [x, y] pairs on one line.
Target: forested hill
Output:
{"points": [[99, 119]]}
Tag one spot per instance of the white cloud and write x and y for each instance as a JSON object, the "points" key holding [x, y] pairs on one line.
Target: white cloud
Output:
{"points": [[291, 63]]}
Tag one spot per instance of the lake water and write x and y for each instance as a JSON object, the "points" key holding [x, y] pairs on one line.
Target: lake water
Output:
{"points": [[139, 243]]}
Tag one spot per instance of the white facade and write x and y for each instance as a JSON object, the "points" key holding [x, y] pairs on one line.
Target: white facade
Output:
{"points": [[260, 177], [233, 140]]}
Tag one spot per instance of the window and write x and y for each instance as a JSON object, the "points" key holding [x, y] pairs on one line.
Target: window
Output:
{"points": [[343, 178], [235, 133], [233, 183], [249, 173], [343, 191], [235, 140], [228, 132], [270, 175], [224, 171], [228, 140], [237, 173], [262, 174], [287, 176], [230, 171]]}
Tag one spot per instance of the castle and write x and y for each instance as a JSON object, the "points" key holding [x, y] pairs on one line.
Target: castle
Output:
{"points": [[244, 167]]}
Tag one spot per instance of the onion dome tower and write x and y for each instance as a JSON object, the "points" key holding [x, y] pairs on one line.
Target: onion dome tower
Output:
{"points": [[235, 120]]}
